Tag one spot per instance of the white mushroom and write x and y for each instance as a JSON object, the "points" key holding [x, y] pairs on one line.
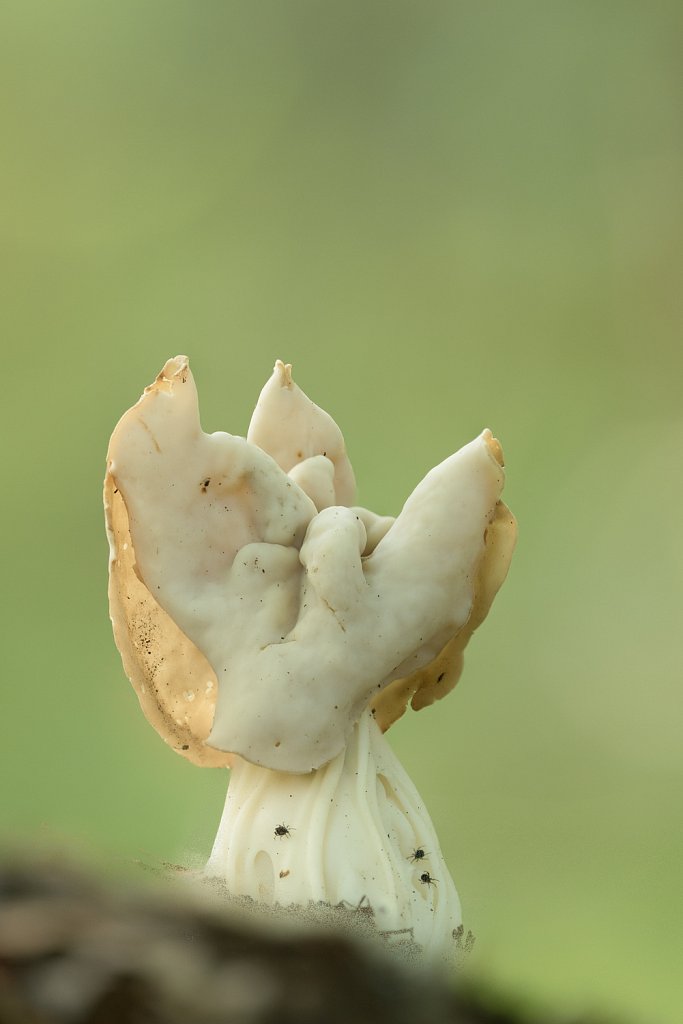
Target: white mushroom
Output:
{"points": [[317, 622]]}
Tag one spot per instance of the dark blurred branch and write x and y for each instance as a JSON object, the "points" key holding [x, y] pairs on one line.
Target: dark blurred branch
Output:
{"points": [[77, 951]]}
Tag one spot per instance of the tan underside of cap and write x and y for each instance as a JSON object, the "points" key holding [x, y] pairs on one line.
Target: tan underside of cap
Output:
{"points": [[439, 677], [174, 682]]}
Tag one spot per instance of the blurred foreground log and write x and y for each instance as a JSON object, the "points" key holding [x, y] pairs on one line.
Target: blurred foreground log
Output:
{"points": [[77, 951]]}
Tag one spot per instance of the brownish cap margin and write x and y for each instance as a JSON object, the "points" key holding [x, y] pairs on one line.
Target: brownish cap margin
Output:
{"points": [[174, 682], [439, 677]]}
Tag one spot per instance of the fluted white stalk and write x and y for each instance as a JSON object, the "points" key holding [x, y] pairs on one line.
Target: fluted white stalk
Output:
{"points": [[344, 835]]}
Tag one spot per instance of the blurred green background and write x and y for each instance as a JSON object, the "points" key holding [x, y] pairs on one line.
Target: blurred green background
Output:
{"points": [[447, 215]]}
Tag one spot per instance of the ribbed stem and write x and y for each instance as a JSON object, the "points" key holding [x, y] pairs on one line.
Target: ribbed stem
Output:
{"points": [[344, 834]]}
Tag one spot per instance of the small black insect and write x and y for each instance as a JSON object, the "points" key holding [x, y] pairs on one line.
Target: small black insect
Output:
{"points": [[282, 830], [427, 879], [418, 854]]}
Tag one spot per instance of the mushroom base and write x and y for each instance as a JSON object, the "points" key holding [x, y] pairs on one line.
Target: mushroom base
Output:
{"points": [[350, 834]]}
